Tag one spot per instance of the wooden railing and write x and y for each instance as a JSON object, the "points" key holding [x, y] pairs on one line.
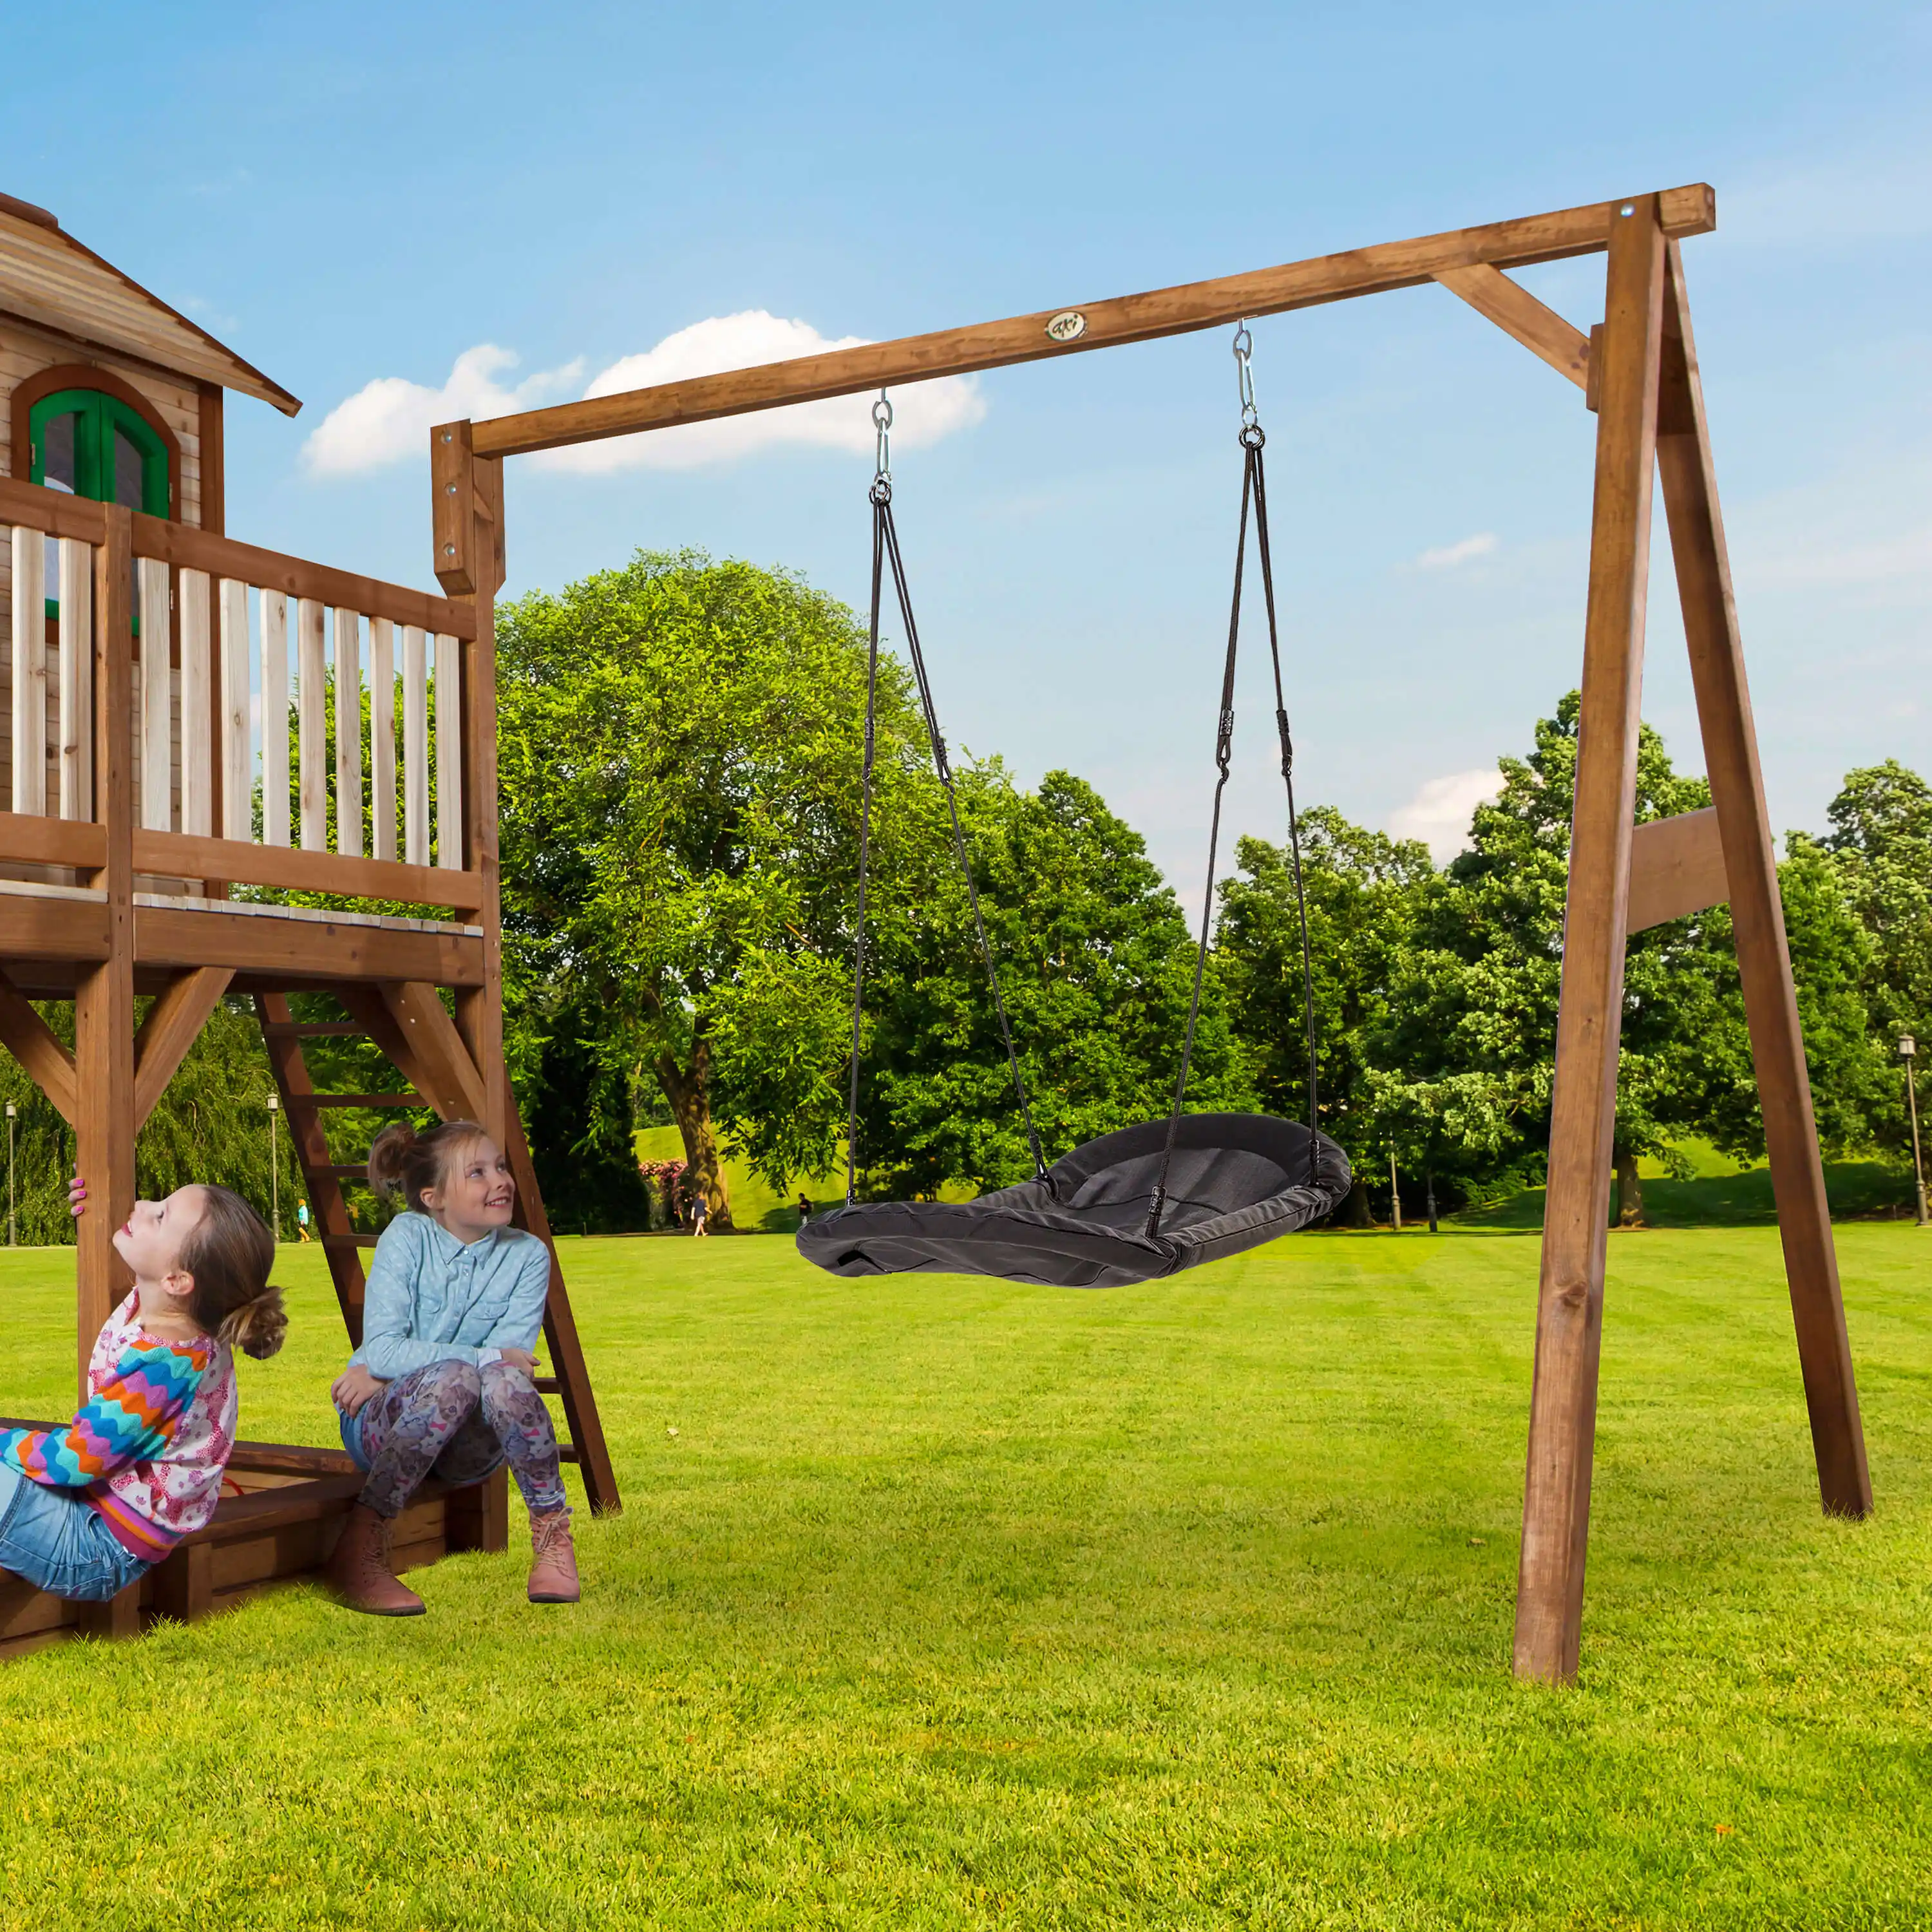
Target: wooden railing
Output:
{"points": [[216, 625]]}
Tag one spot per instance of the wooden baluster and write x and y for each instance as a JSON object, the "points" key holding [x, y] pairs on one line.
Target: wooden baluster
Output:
{"points": [[197, 748], [312, 728], [275, 717], [76, 679], [237, 812], [415, 747], [30, 670], [348, 733], [448, 753], [381, 739], [157, 686]]}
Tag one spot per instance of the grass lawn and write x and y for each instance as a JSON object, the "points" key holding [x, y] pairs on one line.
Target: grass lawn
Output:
{"points": [[944, 1604]]}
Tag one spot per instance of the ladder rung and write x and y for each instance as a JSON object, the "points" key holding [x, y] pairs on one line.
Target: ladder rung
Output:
{"points": [[566, 1452], [360, 1173], [358, 1099], [313, 1030], [349, 1240], [549, 1385]]}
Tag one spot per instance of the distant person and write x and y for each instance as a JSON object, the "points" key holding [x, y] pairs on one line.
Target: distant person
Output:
{"points": [[804, 1210], [301, 1219], [701, 1213]]}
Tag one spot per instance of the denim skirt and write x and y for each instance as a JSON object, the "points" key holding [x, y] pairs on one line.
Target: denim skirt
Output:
{"points": [[54, 1540]]}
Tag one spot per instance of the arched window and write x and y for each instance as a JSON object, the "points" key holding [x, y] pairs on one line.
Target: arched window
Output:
{"points": [[92, 444]]}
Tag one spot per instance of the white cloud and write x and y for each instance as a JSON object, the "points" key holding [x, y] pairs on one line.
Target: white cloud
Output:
{"points": [[389, 419], [1450, 555], [923, 412], [1440, 812]]}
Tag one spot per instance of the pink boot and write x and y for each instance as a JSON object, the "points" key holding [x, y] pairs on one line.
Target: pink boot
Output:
{"points": [[359, 1569], [553, 1565]]}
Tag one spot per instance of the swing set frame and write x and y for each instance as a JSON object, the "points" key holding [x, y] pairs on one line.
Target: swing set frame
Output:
{"points": [[1638, 370]]}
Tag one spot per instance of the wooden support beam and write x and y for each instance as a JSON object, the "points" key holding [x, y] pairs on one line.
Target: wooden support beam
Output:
{"points": [[1516, 312], [42, 1057], [173, 1024], [1677, 867], [1569, 1328], [1757, 914], [104, 1005], [445, 1072], [1070, 329]]}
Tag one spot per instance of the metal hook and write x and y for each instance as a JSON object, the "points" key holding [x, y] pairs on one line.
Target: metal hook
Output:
{"points": [[1244, 350], [882, 421]]}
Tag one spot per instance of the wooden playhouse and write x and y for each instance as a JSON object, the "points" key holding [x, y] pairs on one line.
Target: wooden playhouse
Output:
{"points": [[135, 635]]}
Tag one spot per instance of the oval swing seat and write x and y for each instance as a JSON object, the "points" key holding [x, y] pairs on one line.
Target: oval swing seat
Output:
{"points": [[1237, 1181]]}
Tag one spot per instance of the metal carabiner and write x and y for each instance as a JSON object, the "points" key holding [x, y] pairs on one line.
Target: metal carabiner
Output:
{"points": [[882, 422], [1244, 350]]}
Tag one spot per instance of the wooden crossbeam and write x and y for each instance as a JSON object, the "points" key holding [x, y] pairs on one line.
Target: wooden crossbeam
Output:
{"points": [[1677, 867], [173, 1024], [1073, 328], [44, 1060], [1516, 312]]}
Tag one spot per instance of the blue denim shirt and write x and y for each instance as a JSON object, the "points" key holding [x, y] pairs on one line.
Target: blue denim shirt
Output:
{"points": [[430, 1299]]}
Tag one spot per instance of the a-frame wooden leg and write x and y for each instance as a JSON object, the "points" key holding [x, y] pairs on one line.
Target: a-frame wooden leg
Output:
{"points": [[1757, 916], [1569, 1326]]}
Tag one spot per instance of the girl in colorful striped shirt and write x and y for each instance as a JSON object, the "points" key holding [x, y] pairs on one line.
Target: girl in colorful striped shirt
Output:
{"points": [[84, 1509]]}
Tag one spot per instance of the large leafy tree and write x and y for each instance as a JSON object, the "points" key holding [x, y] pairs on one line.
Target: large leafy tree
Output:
{"points": [[1464, 1062], [1361, 889], [680, 748], [1880, 846], [1096, 965]]}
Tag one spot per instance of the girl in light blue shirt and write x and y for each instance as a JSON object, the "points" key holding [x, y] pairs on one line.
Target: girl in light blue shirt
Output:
{"points": [[443, 1384]]}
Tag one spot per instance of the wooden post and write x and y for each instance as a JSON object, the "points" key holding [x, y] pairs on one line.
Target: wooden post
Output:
{"points": [[1757, 915], [103, 1005], [1569, 1328], [468, 522]]}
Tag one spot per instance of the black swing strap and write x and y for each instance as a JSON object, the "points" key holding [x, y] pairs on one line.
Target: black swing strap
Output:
{"points": [[1254, 492], [886, 549]]}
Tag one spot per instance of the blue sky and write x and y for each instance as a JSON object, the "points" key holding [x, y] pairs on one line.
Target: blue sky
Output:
{"points": [[352, 193]]}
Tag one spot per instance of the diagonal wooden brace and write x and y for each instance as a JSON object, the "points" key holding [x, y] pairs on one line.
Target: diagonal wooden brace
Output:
{"points": [[173, 1024], [1516, 312], [32, 1043]]}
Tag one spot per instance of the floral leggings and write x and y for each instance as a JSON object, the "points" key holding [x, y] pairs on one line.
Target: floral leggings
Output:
{"points": [[458, 1423]]}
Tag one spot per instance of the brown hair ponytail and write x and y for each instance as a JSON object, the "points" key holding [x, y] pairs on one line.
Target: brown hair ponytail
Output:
{"points": [[229, 1252], [403, 1163]]}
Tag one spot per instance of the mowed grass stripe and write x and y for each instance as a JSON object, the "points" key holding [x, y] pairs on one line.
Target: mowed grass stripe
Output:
{"points": [[951, 1602]]}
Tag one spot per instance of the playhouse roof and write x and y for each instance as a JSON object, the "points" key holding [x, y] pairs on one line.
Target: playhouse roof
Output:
{"points": [[49, 278]]}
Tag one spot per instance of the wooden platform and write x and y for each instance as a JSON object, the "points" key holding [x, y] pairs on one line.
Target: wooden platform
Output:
{"points": [[50, 933], [281, 1531]]}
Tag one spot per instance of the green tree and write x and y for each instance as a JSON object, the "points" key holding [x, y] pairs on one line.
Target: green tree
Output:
{"points": [[1880, 844], [1096, 966], [680, 748], [1465, 1059], [1361, 888], [1832, 965]]}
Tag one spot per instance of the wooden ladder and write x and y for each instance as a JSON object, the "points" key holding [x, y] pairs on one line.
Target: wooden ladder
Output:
{"points": [[583, 1441]]}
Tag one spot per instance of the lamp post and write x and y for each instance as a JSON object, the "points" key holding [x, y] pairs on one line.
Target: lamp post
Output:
{"points": [[1395, 1194], [13, 1114], [1908, 1048], [274, 1170], [1428, 1180]]}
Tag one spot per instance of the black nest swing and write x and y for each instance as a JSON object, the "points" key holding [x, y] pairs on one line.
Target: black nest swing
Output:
{"points": [[1150, 1200]]}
